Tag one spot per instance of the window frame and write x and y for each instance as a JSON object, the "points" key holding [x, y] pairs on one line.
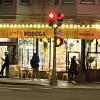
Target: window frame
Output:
{"points": [[68, 2], [87, 2]]}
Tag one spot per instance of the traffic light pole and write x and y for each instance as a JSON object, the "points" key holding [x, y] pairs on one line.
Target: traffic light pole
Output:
{"points": [[53, 80], [55, 20]]}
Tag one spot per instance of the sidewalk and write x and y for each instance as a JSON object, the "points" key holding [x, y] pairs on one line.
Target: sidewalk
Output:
{"points": [[45, 82]]}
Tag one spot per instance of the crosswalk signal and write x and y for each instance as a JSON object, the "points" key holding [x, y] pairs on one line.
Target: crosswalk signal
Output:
{"points": [[59, 41]]}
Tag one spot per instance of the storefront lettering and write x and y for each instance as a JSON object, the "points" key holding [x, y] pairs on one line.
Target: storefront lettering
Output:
{"points": [[86, 34], [15, 34], [26, 33], [34, 33]]}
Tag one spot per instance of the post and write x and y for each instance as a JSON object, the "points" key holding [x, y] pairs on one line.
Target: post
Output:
{"points": [[53, 80], [82, 66], [37, 46], [96, 52], [50, 54], [55, 20]]}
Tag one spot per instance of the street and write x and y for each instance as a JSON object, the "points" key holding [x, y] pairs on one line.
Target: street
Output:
{"points": [[27, 92]]}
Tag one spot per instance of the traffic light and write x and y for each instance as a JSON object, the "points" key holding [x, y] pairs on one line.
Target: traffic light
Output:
{"points": [[60, 17], [59, 41], [52, 17]]}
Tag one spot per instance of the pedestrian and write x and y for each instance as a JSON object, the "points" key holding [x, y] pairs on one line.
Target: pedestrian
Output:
{"points": [[73, 69], [5, 65], [35, 65]]}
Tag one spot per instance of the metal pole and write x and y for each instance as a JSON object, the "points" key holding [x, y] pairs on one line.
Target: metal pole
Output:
{"points": [[53, 80], [37, 46], [50, 54], [96, 52]]}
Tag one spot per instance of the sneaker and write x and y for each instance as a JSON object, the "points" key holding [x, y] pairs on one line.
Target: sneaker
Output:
{"points": [[73, 81]]}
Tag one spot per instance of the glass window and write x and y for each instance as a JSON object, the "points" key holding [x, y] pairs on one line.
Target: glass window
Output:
{"points": [[8, 1], [87, 1], [24, 1], [68, 1]]}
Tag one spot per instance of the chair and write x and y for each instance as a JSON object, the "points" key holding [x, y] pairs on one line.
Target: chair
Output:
{"points": [[65, 76], [48, 73], [29, 73], [14, 71], [26, 72], [23, 73]]}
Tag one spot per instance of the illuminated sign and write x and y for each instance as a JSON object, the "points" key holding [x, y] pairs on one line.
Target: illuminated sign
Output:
{"points": [[24, 33], [88, 34], [81, 33], [34, 33]]}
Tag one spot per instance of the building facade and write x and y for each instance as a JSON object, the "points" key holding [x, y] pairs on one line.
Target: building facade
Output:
{"points": [[19, 16]]}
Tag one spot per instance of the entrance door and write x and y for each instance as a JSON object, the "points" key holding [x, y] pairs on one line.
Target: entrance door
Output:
{"points": [[70, 55], [2, 50]]}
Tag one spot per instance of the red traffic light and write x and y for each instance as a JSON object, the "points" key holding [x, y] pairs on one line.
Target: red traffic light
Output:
{"points": [[60, 15], [52, 16], [59, 41]]}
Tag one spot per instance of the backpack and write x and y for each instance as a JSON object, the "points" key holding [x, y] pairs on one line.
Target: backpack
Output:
{"points": [[31, 62]]}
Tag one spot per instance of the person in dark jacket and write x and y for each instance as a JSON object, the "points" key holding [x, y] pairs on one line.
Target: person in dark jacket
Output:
{"points": [[35, 65], [73, 69], [5, 65]]}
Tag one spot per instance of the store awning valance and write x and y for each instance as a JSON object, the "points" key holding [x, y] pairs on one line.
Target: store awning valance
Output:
{"points": [[72, 33]]}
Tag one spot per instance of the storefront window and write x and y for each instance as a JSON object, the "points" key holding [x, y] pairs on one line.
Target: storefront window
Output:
{"points": [[93, 49], [74, 45], [44, 54], [96, 62], [61, 58], [74, 49], [25, 51]]}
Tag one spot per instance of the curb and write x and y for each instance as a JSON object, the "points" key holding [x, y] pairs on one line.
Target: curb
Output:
{"points": [[18, 83]]}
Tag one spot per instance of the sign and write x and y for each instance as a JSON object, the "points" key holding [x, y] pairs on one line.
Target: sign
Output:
{"points": [[88, 34], [66, 33], [26, 33]]}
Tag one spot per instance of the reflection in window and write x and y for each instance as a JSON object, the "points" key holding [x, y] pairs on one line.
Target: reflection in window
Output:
{"points": [[24, 1]]}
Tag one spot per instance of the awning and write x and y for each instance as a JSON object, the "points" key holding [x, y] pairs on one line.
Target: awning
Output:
{"points": [[72, 33]]}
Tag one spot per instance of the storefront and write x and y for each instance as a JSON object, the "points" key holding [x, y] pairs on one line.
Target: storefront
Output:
{"points": [[72, 35]]}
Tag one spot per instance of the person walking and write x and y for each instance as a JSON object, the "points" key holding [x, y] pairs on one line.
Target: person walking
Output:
{"points": [[5, 65], [35, 65], [73, 69]]}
